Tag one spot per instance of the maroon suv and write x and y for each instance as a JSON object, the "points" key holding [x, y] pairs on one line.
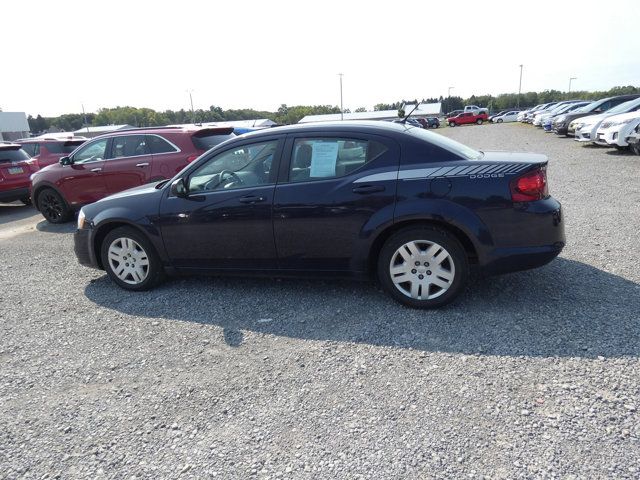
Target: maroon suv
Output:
{"points": [[117, 161], [14, 173], [46, 151]]}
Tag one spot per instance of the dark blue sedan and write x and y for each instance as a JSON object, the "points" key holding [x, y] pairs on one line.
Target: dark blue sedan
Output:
{"points": [[367, 199]]}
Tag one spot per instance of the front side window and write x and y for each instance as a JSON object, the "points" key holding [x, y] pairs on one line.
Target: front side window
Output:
{"points": [[322, 158], [246, 166], [129, 146], [91, 153]]}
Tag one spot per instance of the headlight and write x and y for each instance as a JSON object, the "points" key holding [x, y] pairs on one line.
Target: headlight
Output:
{"points": [[81, 220]]}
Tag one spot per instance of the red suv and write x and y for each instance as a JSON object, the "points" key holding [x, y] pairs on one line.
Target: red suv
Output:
{"points": [[14, 173], [49, 150], [117, 161]]}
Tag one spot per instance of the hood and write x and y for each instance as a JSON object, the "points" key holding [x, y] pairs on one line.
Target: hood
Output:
{"points": [[146, 189], [624, 116], [594, 118]]}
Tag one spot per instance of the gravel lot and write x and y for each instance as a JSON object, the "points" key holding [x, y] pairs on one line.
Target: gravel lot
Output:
{"points": [[529, 375]]}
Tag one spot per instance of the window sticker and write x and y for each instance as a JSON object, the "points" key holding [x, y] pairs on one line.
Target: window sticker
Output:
{"points": [[323, 159]]}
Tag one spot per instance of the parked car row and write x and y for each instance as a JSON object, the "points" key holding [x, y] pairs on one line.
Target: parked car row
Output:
{"points": [[612, 122]]}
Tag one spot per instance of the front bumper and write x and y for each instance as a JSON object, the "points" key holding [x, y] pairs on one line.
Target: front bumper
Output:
{"points": [[584, 135], [83, 248]]}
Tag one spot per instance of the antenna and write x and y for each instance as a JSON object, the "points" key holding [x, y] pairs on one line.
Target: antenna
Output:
{"points": [[404, 120]]}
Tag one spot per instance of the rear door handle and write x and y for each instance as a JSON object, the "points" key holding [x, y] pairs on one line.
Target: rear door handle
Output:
{"points": [[365, 189], [97, 169], [252, 199], [145, 164]]}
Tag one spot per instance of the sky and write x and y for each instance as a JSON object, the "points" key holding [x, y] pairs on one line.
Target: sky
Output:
{"points": [[261, 54]]}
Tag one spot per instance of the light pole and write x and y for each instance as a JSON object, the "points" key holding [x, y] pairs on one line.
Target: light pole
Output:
{"points": [[193, 113], [84, 115], [341, 108], [519, 87], [449, 99], [570, 80]]}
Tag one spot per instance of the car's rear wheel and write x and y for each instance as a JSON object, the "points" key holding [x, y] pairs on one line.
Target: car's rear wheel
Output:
{"points": [[423, 267], [130, 259], [452, 124], [53, 207], [479, 121]]}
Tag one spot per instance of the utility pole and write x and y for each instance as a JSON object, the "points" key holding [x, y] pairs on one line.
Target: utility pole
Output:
{"points": [[519, 87], [570, 80], [449, 99], [341, 107], [193, 113], [84, 116]]}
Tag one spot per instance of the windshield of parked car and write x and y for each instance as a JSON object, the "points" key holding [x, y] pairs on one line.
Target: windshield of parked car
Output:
{"points": [[207, 141], [624, 107], [64, 147], [446, 143]]}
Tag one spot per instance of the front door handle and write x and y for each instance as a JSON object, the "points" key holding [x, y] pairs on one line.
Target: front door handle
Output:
{"points": [[365, 189], [145, 164], [252, 199], [97, 169]]}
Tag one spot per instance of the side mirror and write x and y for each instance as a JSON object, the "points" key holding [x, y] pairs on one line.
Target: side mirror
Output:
{"points": [[178, 188], [66, 161]]}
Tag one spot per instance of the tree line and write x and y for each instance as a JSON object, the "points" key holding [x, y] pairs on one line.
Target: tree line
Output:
{"points": [[143, 117]]}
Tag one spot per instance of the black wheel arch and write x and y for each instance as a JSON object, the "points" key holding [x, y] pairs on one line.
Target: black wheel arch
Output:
{"points": [[103, 229], [44, 186]]}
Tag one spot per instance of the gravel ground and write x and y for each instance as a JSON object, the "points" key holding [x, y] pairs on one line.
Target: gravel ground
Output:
{"points": [[529, 375]]}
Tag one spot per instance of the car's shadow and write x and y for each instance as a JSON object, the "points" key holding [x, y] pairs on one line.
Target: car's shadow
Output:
{"points": [[566, 308], [45, 226], [12, 212]]}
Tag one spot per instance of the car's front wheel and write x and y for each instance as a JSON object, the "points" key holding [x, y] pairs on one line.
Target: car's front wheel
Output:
{"points": [[452, 124], [636, 148], [499, 120], [423, 267], [130, 259], [53, 207], [479, 121]]}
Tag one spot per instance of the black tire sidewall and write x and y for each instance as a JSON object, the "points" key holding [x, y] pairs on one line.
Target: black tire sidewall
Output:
{"points": [[66, 211], [432, 234], [155, 268]]}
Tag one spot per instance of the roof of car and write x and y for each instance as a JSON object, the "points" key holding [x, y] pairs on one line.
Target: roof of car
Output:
{"points": [[370, 126], [160, 130], [44, 138], [10, 146]]}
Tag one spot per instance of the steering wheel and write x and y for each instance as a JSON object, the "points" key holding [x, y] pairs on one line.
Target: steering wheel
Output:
{"points": [[212, 184]]}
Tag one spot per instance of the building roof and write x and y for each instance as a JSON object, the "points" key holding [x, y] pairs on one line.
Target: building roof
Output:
{"points": [[101, 129], [14, 122], [425, 109]]}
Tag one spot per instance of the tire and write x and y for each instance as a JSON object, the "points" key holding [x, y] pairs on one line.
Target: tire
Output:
{"points": [[26, 200], [621, 148], [636, 148], [53, 207], [452, 124], [402, 249], [479, 121], [499, 120], [123, 247]]}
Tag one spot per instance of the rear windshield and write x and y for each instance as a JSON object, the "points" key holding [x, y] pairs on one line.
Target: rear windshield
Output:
{"points": [[63, 147], [205, 142], [13, 155], [446, 143]]}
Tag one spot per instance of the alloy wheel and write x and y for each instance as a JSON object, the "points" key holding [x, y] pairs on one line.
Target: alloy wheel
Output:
{"points": [[422, 270], [51, 206], [128, 260]]}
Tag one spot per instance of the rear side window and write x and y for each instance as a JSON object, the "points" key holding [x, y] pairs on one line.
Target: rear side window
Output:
{"points": [[129, 146], [13, 155], [210, 140], [31, 148], [159, 145], [323, 158]]}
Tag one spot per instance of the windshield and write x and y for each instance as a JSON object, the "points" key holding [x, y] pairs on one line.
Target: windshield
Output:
{"points": [[205, 142], [445, 143], [625, 107], [63, 147]]}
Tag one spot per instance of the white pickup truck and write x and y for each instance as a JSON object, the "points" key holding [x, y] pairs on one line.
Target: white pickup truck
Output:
{"points": [[475, 109]]}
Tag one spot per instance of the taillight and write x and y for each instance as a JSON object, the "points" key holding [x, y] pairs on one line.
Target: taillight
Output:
{"points": [[191, 158], [530, 186]]}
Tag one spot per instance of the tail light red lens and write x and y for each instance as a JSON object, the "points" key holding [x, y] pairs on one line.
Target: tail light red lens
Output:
{"points": [[530, 186], [191, 158]]}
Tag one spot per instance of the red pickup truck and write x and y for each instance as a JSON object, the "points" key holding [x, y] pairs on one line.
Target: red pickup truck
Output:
{"points": [[467, 117]]}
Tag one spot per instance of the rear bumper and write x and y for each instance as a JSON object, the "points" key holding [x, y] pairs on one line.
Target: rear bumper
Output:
{"points": [[14, 194], [83, 248], [530, 237]]}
